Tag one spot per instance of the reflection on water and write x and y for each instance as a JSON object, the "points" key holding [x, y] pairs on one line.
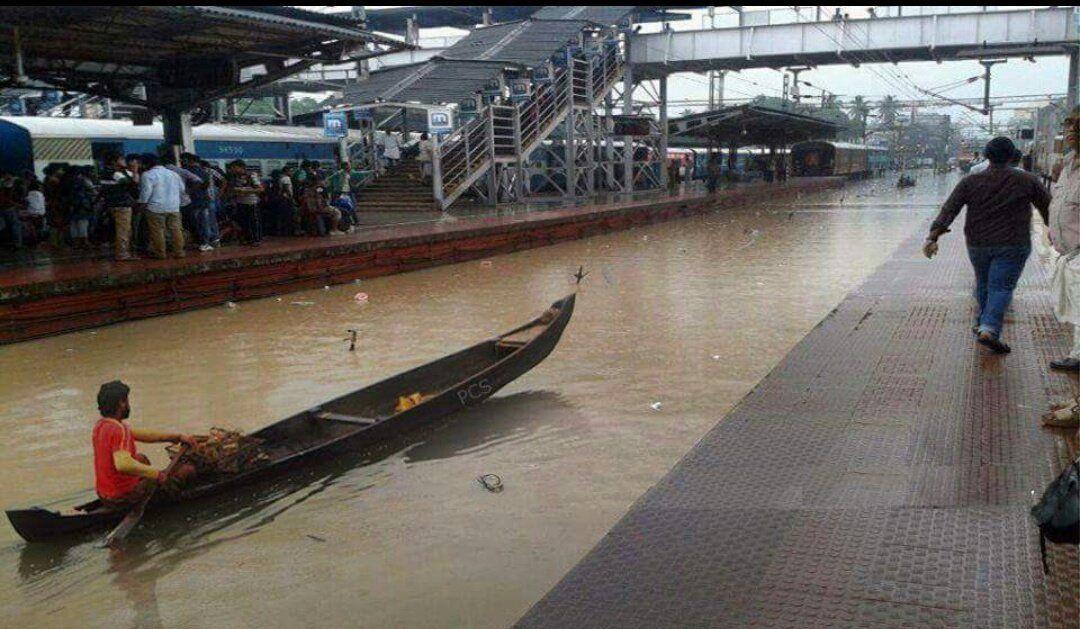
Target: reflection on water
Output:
{"points": [[675, 323], [518, 417]]}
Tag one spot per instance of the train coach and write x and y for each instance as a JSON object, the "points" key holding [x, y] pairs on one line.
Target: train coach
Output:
{"points": [[31, 143], [818, 158]]}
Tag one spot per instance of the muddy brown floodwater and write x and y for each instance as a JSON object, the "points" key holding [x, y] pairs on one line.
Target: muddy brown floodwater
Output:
{"points": [[689, 314]]}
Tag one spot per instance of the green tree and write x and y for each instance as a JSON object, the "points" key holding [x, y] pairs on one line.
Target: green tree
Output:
{"points": [[859, 112], [888, 110]]}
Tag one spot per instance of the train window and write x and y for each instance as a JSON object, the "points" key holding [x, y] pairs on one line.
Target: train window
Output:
{"points": [[100, 150]]}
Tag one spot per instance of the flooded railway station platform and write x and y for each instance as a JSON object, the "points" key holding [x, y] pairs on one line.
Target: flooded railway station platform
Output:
{"points": [[851, 483]]}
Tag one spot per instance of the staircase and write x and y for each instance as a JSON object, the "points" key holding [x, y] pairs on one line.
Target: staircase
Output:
{"points": [[507, 133], [401, 189]]}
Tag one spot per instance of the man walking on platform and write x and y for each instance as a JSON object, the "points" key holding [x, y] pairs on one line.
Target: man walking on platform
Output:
{"points": [[1065, 238], [998, 233], [160, 190]]}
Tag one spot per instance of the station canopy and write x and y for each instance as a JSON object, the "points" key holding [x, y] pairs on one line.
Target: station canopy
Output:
{"points": [[182, 55], [472, 63], [477, 60], [430, 82], [526, 44], [604, 16], [749, 125], [392, 19]]}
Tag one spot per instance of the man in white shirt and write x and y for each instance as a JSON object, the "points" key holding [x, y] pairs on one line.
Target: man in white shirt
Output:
{"points": [[160, 190]]}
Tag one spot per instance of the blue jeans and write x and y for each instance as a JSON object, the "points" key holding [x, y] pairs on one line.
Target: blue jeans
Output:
{"points": [[10, 220], [997, 269], [348, 208], [206, 224]]}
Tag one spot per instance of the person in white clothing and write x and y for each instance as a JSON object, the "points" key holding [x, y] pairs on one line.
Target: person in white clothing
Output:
{"points": [[1065, 238], [424, 156], [979, 167], [160, 191], [35, 200], [391, 149]]}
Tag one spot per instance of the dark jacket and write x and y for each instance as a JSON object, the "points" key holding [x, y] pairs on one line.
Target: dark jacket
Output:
{"points": [[998, 202], [118, 188]]}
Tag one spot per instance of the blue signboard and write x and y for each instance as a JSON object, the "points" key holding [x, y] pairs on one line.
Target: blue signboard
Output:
{"points": [[439, 121], [335, 124], [365, 114]]}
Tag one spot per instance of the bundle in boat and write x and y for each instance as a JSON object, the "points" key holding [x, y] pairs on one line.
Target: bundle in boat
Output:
{"points": [[224, 452]]}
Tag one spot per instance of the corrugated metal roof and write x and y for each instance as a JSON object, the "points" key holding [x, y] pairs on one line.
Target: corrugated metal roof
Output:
{"points": [[527, 43], [435, 81], [606, 16]]}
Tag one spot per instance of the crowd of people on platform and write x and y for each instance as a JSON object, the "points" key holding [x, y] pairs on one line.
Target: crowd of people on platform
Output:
{"points": [[997, 230], [150, 203]]}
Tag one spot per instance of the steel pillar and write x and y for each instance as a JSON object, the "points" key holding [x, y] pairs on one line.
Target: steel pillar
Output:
{"points": [[663, 133], [628, 109], [1073, 96], [178, 134]]}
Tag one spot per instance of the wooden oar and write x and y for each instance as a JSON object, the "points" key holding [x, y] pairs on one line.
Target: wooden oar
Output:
{"points": [[132, 518]]}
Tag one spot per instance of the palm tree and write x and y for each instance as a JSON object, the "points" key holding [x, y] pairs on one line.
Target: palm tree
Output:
{"points": [[859, 113], [888, 109]]}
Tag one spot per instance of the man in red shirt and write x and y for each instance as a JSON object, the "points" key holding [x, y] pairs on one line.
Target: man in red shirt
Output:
{"points": [[122, 475]]}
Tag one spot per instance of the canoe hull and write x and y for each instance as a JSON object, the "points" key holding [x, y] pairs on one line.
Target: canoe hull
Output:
{"points": [[492, 372]]}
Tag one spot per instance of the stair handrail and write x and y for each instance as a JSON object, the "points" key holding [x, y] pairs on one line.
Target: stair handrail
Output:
{"points": [[497, 129]]}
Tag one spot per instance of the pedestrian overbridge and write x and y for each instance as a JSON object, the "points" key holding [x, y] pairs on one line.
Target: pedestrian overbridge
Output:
{"points": [[1021, 33]]}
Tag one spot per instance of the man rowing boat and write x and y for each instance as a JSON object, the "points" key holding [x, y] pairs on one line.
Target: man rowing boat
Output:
{"points": [[122, 475]]}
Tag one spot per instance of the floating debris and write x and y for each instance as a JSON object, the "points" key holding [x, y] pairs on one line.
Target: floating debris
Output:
{"points": [[230, 304], [303, 303], [326, 288], [361, 298], [485, 263], [315, 537], [490, 482], [656, 406]]}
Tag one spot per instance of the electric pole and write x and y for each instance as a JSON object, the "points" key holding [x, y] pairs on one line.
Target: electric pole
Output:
{"points": [[988, 109], [795, 94]]}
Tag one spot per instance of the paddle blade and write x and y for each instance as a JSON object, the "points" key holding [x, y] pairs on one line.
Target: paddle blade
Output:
{"points": [[126, 525]]}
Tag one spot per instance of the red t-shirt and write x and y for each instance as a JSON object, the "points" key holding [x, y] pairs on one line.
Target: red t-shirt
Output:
{"points": [[111, 435]]}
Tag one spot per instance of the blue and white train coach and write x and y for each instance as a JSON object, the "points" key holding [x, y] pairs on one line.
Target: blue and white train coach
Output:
{"points": [[34, 142]]}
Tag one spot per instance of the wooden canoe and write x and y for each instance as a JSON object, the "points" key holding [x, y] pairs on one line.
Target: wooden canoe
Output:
{"points": [[357, 420]]}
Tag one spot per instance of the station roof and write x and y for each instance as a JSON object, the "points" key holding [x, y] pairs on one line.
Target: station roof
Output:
{"points": [[392, 20], [435, 81], [197, 52], [749, 125], [469, 65], [605, 16], [527, 43]]}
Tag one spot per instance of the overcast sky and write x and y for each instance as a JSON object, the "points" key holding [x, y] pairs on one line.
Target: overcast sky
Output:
{"points": [[873, 81]]}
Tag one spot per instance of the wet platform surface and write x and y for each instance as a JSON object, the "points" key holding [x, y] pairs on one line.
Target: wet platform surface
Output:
{"points": [[880, 476]]}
